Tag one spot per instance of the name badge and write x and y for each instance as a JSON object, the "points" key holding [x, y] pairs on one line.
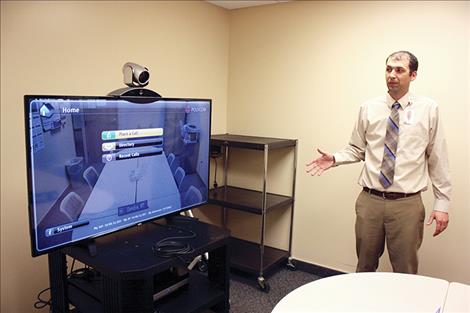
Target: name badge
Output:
{"points": [[409, 116]]}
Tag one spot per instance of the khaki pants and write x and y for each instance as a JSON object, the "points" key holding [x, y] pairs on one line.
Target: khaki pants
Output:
{"points": [[399, 223]]}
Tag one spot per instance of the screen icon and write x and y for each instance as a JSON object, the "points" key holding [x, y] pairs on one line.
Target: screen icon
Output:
{"points": [[108, 135], [105, 158], [46, 110], [108, 146]]}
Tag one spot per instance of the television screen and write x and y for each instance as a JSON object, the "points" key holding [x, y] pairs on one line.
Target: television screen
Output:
{"points": [[100, 164]]}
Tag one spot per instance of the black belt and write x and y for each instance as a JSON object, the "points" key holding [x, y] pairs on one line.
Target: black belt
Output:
{"points": [[389, 195]]}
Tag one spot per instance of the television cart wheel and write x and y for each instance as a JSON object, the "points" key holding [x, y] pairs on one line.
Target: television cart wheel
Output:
{"points": [[202, 265], [291, 265], [263, 285]]}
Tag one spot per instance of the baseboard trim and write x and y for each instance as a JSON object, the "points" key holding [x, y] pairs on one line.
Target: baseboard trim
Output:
{"points": [[316, 269]]}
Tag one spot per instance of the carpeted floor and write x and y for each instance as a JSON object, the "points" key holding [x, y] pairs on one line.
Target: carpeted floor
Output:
{"points": [[245, 297]]}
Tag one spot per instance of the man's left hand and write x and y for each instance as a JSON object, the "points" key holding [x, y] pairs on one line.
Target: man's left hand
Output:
{"points": [[442, 220]]}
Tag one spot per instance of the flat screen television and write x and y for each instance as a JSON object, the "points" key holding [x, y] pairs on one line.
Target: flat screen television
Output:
{"points": [[100, 164]]}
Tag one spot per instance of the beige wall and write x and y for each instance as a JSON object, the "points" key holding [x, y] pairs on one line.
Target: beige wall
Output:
{"points": [[292, 70], [78, 48], [301, 69]]}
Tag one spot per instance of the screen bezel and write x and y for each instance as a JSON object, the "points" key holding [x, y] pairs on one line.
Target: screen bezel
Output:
{"points": [[144, 99]]}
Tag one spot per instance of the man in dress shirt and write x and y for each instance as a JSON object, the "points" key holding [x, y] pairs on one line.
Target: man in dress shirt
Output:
{"points": [[395, 213]]}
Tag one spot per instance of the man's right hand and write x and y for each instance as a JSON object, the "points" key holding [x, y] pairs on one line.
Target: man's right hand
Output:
{"points": [[321, 164]]}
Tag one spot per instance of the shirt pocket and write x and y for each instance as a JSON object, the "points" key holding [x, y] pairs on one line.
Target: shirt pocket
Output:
{"points": [[413, 139]]}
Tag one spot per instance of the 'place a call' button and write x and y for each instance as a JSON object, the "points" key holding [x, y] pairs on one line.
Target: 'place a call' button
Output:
{"points": [[131, 133]]}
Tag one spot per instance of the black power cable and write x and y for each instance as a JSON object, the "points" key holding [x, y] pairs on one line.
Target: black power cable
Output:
{"points": [[215, 152], [174, 246], [215, 172], [41, 303], [83, 273]]}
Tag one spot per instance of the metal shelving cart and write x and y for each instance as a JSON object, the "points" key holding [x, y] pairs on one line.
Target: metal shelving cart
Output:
{"points": [[248, 256]]}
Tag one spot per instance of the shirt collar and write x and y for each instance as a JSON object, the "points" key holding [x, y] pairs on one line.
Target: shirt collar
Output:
{"points": [[404, 101]]}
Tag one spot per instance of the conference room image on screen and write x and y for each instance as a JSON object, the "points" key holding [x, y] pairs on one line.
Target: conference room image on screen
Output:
{"points": [[98, 165]]}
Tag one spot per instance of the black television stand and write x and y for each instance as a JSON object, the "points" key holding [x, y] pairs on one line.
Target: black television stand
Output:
{"points": [[127, 271]]}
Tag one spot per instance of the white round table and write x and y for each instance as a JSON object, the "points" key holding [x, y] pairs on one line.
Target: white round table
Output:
{"points": [[458, 298], [367, 292]]}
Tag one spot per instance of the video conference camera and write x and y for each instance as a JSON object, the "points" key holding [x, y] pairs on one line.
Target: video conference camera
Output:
{"points": [[135, 75]]}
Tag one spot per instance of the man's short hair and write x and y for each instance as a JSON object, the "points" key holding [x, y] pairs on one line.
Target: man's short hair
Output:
{"points": [[413, 61]]}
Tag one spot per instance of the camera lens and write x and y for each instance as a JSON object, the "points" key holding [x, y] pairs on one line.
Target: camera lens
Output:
{"points": [[144, 77]]}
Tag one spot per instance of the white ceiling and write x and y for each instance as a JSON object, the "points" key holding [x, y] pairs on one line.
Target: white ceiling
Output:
{"points": [[230, 5]]}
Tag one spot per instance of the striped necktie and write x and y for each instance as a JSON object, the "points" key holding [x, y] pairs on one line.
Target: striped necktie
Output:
{"points": [[390, 148]]}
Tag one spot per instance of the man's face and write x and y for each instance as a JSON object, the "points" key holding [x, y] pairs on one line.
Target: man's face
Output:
{"points": [[397, 75]]}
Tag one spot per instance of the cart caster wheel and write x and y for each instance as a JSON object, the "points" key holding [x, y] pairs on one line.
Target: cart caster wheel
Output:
{"points": [[291, 266], [263, 285], [202, 266]]}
